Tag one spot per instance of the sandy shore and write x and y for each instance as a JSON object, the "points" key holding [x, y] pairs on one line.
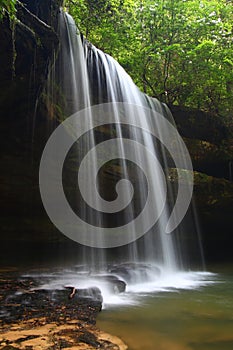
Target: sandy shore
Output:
{"points": [[32, 319], [37, 334]]}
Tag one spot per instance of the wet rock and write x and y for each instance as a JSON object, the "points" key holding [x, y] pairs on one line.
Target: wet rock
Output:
{"points": [[132, 273], [54, 305], [29, 297], [118, 286], [123, 272], [114, 284], [93, 293]]}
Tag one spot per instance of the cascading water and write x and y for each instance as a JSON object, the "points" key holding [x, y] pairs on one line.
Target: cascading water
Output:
{"points": [[87, 77]]}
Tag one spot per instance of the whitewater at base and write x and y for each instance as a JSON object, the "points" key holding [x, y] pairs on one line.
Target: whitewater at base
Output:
{"points": [[139, 283]]}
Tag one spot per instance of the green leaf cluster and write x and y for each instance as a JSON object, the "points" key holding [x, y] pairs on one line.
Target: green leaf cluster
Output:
{"points": [[7, 8], [179, 51]]}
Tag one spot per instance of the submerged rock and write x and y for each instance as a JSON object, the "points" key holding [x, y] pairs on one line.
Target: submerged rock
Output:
{"points": [[114, 284], [133, 273]]}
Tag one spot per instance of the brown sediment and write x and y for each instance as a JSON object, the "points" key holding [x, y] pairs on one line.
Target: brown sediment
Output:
{"points": [[36, 334]]}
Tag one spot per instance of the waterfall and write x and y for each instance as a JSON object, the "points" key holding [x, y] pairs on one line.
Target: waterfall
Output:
{"points": [[116, 181], [230, 165]]}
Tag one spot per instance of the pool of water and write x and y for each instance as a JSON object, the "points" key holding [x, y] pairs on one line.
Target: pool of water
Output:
{"points": [[197, 318]]}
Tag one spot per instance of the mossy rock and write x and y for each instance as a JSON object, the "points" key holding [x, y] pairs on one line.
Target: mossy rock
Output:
{"points": [[209, 192], [209, 158]]}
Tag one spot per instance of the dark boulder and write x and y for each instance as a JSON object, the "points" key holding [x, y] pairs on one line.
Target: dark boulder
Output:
{"points": [[114, 284], [93, 293], [133, 273]]}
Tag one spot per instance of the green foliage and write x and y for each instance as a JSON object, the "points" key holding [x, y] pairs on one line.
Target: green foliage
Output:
{"points": [[7, 7], [179, 51]]}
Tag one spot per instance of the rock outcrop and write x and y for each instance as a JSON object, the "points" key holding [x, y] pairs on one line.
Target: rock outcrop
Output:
{"points": [[32, 318]]}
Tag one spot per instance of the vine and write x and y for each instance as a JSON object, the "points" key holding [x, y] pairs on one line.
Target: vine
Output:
{"points": [[8, 9]]}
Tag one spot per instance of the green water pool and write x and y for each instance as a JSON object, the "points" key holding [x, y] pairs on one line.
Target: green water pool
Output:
{"points": [[200, 319]]}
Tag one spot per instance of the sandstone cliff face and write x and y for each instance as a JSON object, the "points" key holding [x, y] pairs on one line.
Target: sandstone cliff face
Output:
{"points": [[27, 47], [209, 142]]}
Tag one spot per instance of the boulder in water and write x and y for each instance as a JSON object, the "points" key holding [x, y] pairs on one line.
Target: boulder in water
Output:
{"points": [[114, 284], [134, 273], [93, 293]]}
